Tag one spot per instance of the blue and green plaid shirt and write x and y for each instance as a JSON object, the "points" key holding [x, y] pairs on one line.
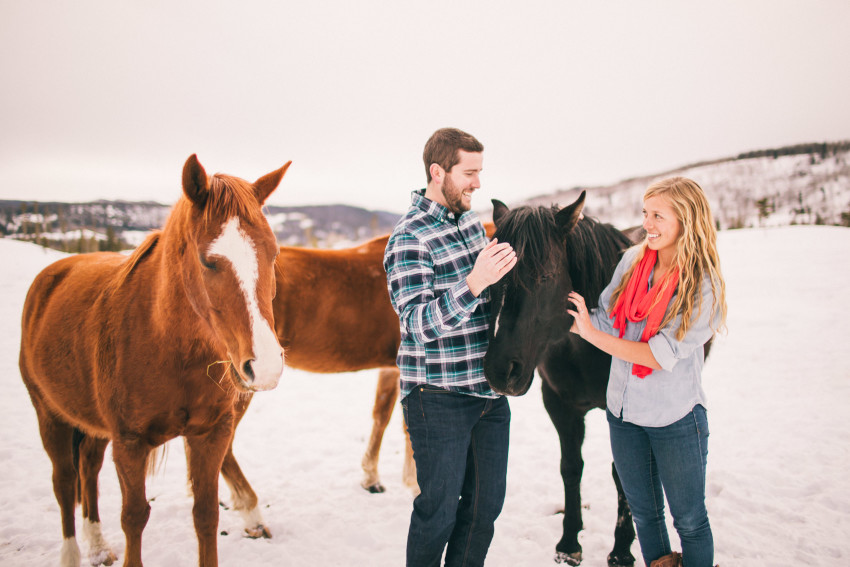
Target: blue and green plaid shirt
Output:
{"points": [[443, 325]]}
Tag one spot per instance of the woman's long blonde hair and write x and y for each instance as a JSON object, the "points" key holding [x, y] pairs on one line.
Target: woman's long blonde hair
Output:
{"points": [[695, 257]]}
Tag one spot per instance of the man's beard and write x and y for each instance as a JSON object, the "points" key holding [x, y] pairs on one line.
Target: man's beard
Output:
{"points": [[453, 197]]}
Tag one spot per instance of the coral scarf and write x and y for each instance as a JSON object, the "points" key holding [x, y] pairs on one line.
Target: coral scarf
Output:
{"points": [[636, 303]]}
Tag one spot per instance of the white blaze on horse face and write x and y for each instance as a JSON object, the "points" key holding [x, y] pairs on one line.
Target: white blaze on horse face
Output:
{"points": [[238, 248], [499, 315]]}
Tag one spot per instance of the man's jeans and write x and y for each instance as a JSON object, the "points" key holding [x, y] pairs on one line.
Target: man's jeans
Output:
{"points": [[460, 445], [674, 457]]}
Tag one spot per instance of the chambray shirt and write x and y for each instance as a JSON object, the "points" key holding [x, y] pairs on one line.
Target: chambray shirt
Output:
{"points": [[667, 395], [443, 325]]}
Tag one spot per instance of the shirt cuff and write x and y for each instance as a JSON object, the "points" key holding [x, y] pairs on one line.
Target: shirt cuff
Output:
{"points": [[663, 352], [464, 297]]}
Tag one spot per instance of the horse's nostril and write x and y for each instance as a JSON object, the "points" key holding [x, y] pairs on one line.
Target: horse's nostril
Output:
{"points": [[248, 370], [514, 369]]}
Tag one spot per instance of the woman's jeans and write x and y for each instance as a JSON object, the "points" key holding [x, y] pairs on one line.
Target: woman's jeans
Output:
{"points": [[460, 445], [672, 457]]}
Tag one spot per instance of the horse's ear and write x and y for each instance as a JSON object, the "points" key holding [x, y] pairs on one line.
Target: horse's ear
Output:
{"points": [[499, 211], [265, 185], [569, 216], [195, 181]]}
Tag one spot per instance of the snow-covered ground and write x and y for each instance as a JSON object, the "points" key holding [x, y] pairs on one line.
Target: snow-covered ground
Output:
{"points": [[778, 385]]}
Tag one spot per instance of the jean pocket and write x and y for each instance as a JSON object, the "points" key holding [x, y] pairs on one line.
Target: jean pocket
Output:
{"points": [[429, 389]]}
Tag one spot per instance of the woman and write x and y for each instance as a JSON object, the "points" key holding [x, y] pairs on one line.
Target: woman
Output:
{"points": [[665, 301]]}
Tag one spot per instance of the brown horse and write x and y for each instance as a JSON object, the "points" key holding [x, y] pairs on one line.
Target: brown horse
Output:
{"points": [[125, 349], [339, 319], [333, 314]]}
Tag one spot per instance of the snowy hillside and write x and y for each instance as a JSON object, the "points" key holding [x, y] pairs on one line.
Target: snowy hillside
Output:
{"points": [[805, 188]]}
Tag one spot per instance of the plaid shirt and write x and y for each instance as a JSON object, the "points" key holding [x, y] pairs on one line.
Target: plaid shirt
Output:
{"points": [[443, 325]]}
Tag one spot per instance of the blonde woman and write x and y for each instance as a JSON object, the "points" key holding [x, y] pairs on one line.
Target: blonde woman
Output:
{"points": [[666, 300]]}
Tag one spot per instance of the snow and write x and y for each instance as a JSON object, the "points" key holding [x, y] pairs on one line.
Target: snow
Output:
{"points": [[778, 386]]}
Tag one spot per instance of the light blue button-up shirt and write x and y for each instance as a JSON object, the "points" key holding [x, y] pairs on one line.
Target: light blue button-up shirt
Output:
{"points": [[667, 395]]}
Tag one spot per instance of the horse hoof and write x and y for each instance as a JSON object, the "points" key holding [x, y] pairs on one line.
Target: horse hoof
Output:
{"points": [[257, 532], [622, 561], [376, 488], [568, 558], [102, 557]]}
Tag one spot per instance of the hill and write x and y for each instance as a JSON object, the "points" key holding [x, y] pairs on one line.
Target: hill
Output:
{"points": [[802, 184], [118, 225]]}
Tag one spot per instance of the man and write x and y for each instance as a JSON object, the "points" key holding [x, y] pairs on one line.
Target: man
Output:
{"points": [[438, 265]]}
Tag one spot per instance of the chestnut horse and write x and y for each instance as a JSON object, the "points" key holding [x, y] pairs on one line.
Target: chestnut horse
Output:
{"points": [[339, 319], [126, 349], [332, 313]]}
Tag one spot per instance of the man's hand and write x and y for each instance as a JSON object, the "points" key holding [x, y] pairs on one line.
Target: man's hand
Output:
{"points": [[496, 260]]}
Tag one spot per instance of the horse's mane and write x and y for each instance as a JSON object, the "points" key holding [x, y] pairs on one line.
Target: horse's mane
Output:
{"points": [[592, 249], [133, 260]]}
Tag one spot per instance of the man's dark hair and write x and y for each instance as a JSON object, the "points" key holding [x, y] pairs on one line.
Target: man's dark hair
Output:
{"points": [[442, 148]]}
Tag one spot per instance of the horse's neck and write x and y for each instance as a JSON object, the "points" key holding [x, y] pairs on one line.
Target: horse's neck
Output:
{"points": [[171, 306]]}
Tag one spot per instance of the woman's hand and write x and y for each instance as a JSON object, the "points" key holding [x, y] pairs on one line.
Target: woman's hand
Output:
{"points": [[636, 352], [581, 324]]}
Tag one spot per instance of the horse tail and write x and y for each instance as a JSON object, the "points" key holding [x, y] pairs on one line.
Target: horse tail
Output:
{"points": [[156, 459], [76, 440]]}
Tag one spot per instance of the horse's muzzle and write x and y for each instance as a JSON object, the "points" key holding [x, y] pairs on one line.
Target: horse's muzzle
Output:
{"points": [[517, 380]]}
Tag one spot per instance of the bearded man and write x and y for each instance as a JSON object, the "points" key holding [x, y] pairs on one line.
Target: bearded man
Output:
{"points": [[439, 265]]}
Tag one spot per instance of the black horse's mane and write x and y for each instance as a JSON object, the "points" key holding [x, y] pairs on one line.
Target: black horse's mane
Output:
{"points": [[592, 249]]}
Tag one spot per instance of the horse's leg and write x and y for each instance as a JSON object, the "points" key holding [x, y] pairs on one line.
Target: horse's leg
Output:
{"points": [[386, 394], [91, 450], [569, 423], [56, 436], [624, 533], [130, 454], [206, 454], [409, 472], [242, 496]]}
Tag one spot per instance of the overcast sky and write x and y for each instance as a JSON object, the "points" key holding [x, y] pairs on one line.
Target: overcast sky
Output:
{"points": [[107, 99]]}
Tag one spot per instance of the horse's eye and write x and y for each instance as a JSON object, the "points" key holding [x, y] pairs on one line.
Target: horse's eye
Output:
{"points": [[207, 263]]}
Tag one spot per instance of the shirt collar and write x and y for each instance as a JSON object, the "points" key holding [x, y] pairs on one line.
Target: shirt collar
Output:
{"points": [[436, 210]]}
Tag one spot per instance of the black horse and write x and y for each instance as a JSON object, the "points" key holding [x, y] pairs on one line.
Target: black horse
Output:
{"points": [[557, 251]]}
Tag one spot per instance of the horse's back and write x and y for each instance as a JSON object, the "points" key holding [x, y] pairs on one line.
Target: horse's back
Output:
{"points": [[70, 277], [332, 308]]}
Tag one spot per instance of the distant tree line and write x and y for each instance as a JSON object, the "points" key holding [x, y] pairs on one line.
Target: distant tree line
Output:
{"points": [[56, 225], [824, 150]]}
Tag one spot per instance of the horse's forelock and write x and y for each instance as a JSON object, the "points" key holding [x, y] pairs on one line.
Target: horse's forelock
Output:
{"points": [[230, 196], [533, 234]]}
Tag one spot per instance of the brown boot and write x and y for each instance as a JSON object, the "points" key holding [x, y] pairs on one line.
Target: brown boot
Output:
{"points": [[672, 560]]}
